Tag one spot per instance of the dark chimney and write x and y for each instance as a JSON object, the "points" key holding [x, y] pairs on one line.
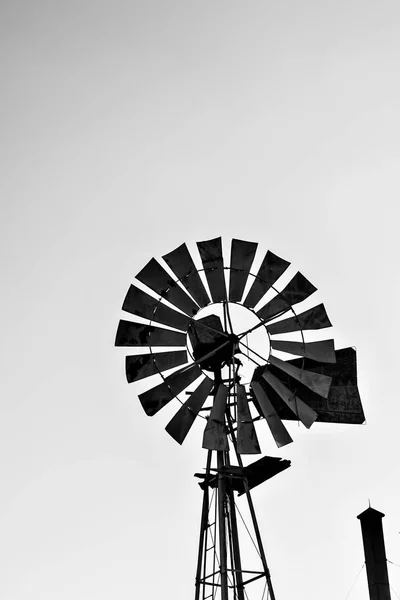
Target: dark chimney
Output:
{"points": [[375, 554]]}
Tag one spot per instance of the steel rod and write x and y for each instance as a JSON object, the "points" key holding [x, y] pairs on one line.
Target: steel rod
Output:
{"points": [[233, 578], [215, 534], [221, 527]]}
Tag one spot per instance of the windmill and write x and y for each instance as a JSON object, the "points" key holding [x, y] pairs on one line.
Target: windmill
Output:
{"points": [[229, 361]]}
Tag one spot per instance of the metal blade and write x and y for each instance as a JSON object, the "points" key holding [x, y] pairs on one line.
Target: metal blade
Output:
{"points": [[213, 263], [181, 423], [247, 442], [303, 412], [278, 430], [323, 351], [314, 318], [156, 398], [139, 303], [143, 365], [272, 267], [181, 263], [219, 406], [242, 256], [215, 437], [316, 382], [298, 289], [158, 280], [136, 334]]}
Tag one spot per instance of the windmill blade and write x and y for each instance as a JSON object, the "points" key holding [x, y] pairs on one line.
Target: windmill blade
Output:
{"points": [[143, 365], [303, 412], [180, 424], [215, 437], [277, 428], [323, 351], [314, 318], [272, 267], [157, 279], [181, 263], [139, 303], [136, 334], [219, 405], [242, 256], [213, 263], [298, 289], [247, 442], [316, 382], [157, 397]]}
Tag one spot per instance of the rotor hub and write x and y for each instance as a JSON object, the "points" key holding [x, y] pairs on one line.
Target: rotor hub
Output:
{"points": [[213, 347]]}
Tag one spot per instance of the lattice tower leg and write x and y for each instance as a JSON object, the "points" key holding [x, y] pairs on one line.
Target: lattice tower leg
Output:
{"points": [[220, 572]]}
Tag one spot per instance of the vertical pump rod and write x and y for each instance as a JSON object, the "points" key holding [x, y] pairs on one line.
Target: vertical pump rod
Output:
{"points": [[223, 558]]}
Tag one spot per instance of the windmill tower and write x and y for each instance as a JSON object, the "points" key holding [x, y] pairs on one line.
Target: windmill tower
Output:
{"points": [[225, 352]]}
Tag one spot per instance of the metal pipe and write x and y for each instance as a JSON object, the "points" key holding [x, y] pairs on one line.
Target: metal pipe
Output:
{"points": [[221, 527], [231, 566]]}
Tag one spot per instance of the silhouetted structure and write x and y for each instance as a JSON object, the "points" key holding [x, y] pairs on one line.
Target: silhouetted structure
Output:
{"points": [[208, 348], [375, 554]]}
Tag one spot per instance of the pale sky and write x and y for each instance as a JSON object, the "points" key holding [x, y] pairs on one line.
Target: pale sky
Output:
{"points": [[129, 128]]}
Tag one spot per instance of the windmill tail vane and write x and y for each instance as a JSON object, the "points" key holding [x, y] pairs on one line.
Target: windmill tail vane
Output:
{"points": [[219, 336]]}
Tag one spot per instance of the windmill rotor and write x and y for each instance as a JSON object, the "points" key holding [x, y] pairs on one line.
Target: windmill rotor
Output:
{"points": [[199, 347]]}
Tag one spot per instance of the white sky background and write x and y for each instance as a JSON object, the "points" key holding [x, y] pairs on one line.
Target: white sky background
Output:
{"points": [[128, 128]]}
